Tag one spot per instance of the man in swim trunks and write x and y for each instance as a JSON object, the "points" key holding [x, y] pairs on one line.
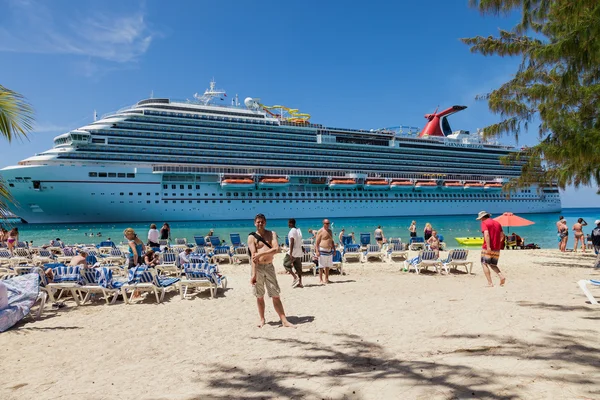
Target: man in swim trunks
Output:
{"points": [[263, 247], [324, 250], [493, 238]]}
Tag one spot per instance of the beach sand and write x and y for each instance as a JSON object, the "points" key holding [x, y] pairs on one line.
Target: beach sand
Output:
{"points": [[376, 333]]}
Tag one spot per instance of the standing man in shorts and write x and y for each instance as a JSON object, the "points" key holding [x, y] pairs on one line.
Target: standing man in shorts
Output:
{"points": [[324, 250], [293, 258], [493, 238], [263, 246]]}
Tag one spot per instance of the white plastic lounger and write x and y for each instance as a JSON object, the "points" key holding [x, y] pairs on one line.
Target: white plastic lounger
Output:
{"points": [[458, 257], [168, 264], [351, 252], [397, 251], [240, 255], [145, 279], [202, 275], [583, 284], [308, 264], [374, 251], [425, 259], [99, 280]]}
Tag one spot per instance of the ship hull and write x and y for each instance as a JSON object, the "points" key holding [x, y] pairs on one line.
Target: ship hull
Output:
{"points": [[66, 194]]}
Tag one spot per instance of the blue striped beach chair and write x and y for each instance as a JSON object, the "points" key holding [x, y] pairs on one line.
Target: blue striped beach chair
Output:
{"points": [[100, 280], [374, 251], [416, 243], [351, 252], [200, 252], [365, 239], [203, 275], [67, 254], [240, 254], [398, 250], [457, 257], [168, 263], [236, 241], [5, 258], [200, 242], [346, 240], [43, 256], [221, 253], [66, 279], [145, 279], [215, 241], [425, 259]]}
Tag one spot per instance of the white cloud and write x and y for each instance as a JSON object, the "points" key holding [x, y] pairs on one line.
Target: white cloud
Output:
{"points": [[32, 27]]}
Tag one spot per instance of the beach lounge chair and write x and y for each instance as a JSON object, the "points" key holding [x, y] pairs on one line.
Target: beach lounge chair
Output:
{"points": [[458, 257], [337, 261], [201, 275], [240, 254], [66, 278], [99, 280], [308, 264], [215, 241], [351, 252], [416, 243], [200, 251], [236, 241], [393, 241], [308, 248], [200, 242], [442, 242], [306, 242], [21, 245], [5, 258], [168, 263], [146, 279], [43, 257], [221, 253], [583, 284], [398, 251], [181, 241], [115, 257], [199, 257], [7, 273], [425, 259], [365, 239], [68, 253], [346, 240], [374, 251], [21, 256]]}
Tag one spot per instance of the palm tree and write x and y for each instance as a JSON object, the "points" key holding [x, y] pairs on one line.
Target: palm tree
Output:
{"points": [[16, 120]]}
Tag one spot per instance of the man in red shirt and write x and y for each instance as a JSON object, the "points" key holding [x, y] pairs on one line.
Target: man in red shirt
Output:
{"points": [[493, 238]]}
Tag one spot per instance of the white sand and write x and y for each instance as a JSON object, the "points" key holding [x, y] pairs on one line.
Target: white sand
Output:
{"points": [[377, 333]]}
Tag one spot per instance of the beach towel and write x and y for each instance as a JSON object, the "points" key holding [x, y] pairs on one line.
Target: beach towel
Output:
{"points": [[22, 292]]}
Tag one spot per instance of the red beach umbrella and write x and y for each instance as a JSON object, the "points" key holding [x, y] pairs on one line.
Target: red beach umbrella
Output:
{"points": [[509, 219]]}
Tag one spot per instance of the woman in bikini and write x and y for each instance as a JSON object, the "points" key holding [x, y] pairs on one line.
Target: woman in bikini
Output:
{"points": [[563, 233], [427, 231], [13, 238], [578, 232]]}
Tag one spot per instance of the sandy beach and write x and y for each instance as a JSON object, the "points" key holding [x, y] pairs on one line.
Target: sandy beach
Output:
{"points": [[375, 333]]}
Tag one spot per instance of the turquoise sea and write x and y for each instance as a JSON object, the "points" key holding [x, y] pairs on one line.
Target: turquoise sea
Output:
{"points": [[543, 232]]}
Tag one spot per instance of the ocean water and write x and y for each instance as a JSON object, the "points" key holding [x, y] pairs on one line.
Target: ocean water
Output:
{"points": [[543, 232]]}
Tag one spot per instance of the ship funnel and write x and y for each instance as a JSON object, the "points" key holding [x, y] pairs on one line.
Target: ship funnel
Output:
{"points": [[438, 124]]}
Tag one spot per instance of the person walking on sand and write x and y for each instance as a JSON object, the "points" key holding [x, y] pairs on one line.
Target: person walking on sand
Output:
{"points": [[324, 250], [493, 238], [578, 233], [595, 236], [293, 258], [263, 246]]}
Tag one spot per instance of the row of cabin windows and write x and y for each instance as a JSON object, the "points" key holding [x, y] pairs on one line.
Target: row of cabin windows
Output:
{"points": [[315, 201], [416, 195], [110, 175]]}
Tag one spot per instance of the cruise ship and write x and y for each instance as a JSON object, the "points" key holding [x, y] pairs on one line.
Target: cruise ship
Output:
{"points": [[209, 159]]}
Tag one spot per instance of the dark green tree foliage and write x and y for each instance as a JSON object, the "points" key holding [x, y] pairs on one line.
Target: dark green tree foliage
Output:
{"points": [[557, 82]]}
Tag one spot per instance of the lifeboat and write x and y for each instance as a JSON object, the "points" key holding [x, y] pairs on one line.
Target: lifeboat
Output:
{"points": [[426, 185], [492, 186], [376, 184], [401, 185], [273, 182], [342, 184], [452, 185], [237, 183], [473, 185]]}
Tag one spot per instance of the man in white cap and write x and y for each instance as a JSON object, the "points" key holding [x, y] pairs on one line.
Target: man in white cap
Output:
{"points": [[493, 238], [596, 242]]}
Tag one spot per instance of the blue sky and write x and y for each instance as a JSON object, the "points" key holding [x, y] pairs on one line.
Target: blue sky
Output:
{"points": [[370, 65]]}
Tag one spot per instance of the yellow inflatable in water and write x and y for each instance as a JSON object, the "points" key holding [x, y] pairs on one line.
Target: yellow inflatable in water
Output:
{"points": [[470, 241]]}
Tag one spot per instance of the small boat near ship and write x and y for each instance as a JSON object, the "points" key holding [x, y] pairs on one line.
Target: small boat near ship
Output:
{"points": [[473, 185], [401, 185], [426, 185], [470, 241], [237, 183], [492, 186], [453, 185]]}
